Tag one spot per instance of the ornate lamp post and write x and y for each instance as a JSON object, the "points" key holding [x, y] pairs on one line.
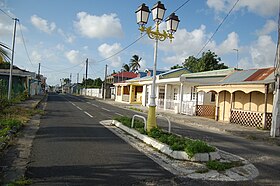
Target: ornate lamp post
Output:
{"points": [[142, 14]]}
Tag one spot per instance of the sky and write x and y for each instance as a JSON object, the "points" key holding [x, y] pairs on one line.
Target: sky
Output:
{"points": [[62, 34]]}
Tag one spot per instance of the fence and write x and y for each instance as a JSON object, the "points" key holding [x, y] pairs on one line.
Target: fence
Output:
{"points": [[250, 119], [207, 111]]}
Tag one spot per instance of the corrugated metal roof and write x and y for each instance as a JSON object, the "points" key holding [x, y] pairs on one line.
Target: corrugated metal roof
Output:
{"points": [[260, 74], [238, 76]]}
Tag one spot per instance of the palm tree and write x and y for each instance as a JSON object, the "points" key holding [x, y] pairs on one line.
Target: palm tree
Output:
{"points": [[4, 54], [135, 63], [126, 67]]}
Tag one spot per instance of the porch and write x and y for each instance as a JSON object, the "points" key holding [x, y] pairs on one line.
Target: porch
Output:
{"points": [[246, 105]]}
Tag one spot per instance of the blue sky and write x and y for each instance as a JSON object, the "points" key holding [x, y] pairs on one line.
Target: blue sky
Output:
{"points": [[61, 34]]}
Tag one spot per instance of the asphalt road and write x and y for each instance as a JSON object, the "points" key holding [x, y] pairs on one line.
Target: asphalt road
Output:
{"points": [[72, 148]]}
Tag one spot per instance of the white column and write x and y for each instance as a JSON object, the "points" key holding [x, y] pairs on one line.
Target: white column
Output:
{"points": [[165, 96], [181, 97]]}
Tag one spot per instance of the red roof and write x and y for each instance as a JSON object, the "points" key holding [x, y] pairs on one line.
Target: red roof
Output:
{"points": [[126, 75], [260, 74]]}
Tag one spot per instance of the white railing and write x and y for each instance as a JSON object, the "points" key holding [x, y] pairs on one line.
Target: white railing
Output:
{"points": [[145, 121], [188, 107]]}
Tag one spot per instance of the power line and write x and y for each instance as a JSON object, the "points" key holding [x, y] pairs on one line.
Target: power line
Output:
{"points": [[6, 14], [24, 44], [217, 28]]}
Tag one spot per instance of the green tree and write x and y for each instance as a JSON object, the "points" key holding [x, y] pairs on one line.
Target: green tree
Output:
{"points": [[135, 63], [176, 66], [66, 80], [126, 68], [92, 83], [208, 61]]}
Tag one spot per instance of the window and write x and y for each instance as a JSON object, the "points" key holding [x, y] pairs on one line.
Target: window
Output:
{"points": [[213, 97], [175, 96], [193, 93]]}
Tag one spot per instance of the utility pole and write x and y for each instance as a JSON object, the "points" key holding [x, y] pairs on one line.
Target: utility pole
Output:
{"points": [[39, 68], [70, 78], [275, 126], [86, 73], [105, 83], [12, 61], [77, 78]]}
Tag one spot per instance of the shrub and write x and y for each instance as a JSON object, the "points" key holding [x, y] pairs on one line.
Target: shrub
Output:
{"points": [[219, 166], [197, 146]]}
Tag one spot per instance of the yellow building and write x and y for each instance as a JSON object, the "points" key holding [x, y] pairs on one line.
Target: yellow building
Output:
{"points": [[244, 97]]}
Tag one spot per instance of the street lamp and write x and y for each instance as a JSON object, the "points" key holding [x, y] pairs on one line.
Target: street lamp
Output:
{"points": [[142, 14]]}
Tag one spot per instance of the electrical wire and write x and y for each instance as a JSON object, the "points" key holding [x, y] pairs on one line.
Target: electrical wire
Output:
{"points": [[217, 29], [24, 44], [6, 14]]}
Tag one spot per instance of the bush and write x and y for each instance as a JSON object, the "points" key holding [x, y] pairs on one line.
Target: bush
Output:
{"points": [[219, 166], [197, 146]]}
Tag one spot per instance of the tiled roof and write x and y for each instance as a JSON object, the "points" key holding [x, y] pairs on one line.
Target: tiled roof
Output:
{"points": [[125, 74]]}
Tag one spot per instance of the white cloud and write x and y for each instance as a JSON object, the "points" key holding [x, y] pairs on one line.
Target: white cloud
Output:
{"points": [[69, 38], [105, 50], [43, 24], [260, 7], [93, 26], [229, 44], [73, 56], [186, 44], [269, 27], [36, 57], [263, 52], [6, 26]]}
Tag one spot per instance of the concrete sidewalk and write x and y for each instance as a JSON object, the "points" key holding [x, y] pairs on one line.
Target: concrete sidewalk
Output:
{"points": [[249, 133]]}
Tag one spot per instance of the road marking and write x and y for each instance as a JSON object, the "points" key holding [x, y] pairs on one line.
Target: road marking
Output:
{"points": [[119, 114], [79, 108], [105, 109], [88, 114], [94, 105]]}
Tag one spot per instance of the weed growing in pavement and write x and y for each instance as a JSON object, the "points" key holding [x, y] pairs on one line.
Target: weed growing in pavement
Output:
{"points": [[20, 182], [201, 171], [178, 143], [136, 109], [251, 137]]}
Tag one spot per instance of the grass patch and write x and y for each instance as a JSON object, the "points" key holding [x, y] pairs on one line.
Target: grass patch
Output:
{"points": [[20, 182], [222, 166], [177, 143], [12, 118]]}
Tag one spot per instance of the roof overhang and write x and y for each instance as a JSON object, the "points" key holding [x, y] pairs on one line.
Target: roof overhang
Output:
{"points": [[246, 88]]}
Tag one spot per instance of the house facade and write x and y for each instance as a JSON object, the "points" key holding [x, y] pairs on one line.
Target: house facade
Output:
{"points": [[22, 81], [244, 97]]}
